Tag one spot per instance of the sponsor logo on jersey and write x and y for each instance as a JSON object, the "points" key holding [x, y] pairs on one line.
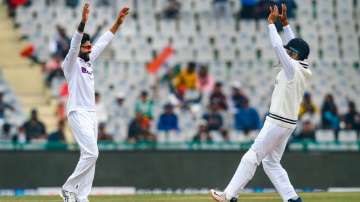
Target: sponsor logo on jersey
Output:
{"points": [[85, 71]]}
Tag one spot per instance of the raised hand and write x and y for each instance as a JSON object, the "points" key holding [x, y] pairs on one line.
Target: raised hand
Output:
{"points": [[274, 14], [122, 14], [85, 13], [120, 19], [283, 15], [84, 17]]}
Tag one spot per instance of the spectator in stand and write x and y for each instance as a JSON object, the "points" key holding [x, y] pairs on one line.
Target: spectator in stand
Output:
{"points": [[308, 118], [3, 107], [135, 128], [192, 95], [172, 9], [169, 76], [214, 119], [247, 118], [6, 132], [237, 98], [307, 105], [309, 110], [102, 134], [351, 118], [248, 9], [186, 80], [218, 97], [13, 4], [204, 81], [307, 131], [329, 114], [52, 70], [101, 111], [144, 105], [139, 129], [203, 85], [34, 128], [221, 8], [60, 46], [20, 136], [59, 134], [202, 134], [168, 120]]}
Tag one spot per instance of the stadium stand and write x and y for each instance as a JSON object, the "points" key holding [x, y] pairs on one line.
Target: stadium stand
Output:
{"points": [[233, 49], [21, 81]]}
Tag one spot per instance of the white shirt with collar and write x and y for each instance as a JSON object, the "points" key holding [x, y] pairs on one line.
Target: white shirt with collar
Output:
{"points": [[290, 82], [79, 73]]}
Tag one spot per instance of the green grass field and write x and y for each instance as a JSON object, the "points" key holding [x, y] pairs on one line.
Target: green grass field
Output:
{"points": [[307, 197]]}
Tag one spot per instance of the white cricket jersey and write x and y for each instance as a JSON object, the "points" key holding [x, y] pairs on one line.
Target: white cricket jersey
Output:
{"points": [[290, 83], [79, 74]]}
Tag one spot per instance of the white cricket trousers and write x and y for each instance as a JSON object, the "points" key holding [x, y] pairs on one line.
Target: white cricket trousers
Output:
{"points": [[268, 148], [84, 127]]}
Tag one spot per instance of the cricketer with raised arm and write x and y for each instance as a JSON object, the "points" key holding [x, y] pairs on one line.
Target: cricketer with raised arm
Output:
{"points": [[280, 122], [81, 113]]}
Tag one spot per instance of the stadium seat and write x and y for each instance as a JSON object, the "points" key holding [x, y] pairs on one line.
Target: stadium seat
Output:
{"points": [[204, 54], [347, 136], [227, 53], [125, 54], [324, 136]]}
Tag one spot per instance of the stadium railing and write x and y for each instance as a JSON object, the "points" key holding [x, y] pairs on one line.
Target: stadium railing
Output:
{"points": [[304, 145]]}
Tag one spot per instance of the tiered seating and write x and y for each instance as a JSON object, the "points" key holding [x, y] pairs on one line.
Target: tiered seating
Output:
{"points": [[199, 36], [16, 117]]}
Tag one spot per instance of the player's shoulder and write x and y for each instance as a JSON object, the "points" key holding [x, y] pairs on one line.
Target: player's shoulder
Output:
{"points": [[304, 67], [304, 64]]}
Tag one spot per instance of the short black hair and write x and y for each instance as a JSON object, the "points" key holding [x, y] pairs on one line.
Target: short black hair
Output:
{"points": [[144, 93], [218, 84], [192, 65], [6, 127], [34, 111], [85, 38]]}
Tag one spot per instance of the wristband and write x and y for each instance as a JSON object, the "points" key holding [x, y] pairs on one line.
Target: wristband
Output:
{"points": [[81, 27]]}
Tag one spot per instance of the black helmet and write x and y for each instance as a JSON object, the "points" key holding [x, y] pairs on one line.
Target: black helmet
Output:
{"points": [[299, 46]]}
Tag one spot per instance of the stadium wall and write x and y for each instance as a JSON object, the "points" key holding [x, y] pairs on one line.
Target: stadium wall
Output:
{"points": [[174, 169]]}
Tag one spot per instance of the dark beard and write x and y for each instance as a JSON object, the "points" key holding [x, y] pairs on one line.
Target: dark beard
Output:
{"points": [[84, 56]]}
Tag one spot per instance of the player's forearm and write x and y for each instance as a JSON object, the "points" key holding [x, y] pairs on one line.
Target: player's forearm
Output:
{"points": [[100, 44], [81, 27], [274, 36], [74, 49], [115, 27], [84, 19], [280, 52], [119, 20], [76, 39], [286, 62], [75, 42]]}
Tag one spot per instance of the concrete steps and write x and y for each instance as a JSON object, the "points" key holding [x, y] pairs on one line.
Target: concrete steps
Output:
{"points": [[24, 78]]}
